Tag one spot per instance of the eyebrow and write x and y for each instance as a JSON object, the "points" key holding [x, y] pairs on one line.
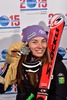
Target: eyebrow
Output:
{"points": [[37, 40]]}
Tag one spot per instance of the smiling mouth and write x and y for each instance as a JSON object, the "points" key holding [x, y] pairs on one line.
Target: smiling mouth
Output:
{"points": [[39, 51]]}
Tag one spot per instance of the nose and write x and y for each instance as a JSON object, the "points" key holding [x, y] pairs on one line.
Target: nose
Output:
{"points": [[40, 45]]}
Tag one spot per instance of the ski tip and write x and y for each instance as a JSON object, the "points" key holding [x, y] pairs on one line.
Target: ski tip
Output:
{"points": [[57, 19]]}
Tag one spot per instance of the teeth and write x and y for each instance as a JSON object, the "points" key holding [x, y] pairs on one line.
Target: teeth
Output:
{"points": [[40, 51]]}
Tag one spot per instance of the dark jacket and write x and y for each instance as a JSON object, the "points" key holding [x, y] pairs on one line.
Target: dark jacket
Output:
{"points": [[58, 87], [2, 85]]}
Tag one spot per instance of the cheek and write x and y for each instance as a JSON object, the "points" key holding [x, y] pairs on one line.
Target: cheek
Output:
{"points": [[32, 48], [45, 45]]}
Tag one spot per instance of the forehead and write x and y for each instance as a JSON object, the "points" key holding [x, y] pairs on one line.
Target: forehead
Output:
{"points": [[38, 38]]}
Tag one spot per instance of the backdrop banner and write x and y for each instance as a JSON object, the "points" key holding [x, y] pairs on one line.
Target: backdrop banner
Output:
{"points": [[17, 14]]}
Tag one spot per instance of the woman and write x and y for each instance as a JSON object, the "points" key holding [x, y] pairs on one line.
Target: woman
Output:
{"points": [[31, 63], [35, 38]]}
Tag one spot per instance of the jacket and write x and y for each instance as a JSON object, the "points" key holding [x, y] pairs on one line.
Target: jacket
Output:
{"points": [[58, 87]]}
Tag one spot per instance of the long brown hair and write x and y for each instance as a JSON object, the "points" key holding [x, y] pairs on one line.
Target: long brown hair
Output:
{"points": [[31, 75]]}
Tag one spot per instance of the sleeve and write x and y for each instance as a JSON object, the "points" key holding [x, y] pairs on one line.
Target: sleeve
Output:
{"points": [[12, 59]]}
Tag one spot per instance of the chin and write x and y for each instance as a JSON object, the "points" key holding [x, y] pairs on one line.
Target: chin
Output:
{"points": [[39, 55]]}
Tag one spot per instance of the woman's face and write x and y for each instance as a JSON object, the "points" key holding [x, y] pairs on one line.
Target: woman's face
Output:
{"points": [[38, 46]]}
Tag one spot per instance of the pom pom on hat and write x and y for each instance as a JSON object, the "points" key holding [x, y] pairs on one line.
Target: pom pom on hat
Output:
{"points": [[33, 31]]}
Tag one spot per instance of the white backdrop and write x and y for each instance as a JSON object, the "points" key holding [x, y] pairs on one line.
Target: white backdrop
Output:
{"points": [[17, 14]]}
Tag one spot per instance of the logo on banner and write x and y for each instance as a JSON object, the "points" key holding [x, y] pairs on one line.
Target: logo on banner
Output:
{"points": [[4, 20], [3, 55], [33, 5], [63, 52], [13, 21], [2, 61]]}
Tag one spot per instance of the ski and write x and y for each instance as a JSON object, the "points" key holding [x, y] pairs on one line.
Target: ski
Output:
{"points": [[56, 29]]}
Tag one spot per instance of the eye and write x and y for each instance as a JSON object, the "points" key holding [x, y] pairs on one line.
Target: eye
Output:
{"points": [[44, 40], [34, 42]]}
